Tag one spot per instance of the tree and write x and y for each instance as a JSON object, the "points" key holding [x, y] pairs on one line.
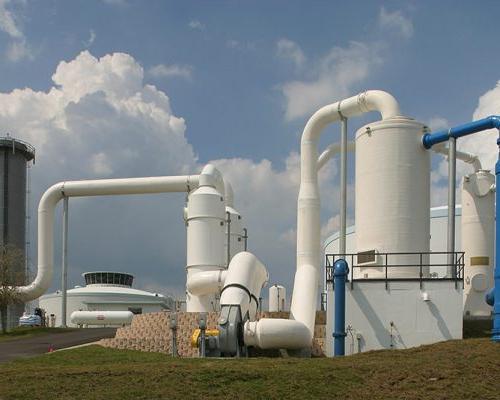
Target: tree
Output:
{"points": [[11, 275]]}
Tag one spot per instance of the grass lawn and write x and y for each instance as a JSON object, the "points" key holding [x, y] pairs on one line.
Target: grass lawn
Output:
{"points": [[466, 369], [27, 331]]}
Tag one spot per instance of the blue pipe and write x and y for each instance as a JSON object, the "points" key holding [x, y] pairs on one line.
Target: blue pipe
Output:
{"points": [[340, 271], [430, 139], [495, 333]]}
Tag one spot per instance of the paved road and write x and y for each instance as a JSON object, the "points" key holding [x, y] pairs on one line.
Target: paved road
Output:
{"points": [[39, 344]]}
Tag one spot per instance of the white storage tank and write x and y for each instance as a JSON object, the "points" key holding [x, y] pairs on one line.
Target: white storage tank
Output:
{"points": [[277, 298], [105, 318], [392, 197], [478, 232], [205, 220]]}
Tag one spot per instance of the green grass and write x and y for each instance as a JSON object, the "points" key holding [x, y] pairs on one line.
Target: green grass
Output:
{"points": [[466, 369], [27, 331]]}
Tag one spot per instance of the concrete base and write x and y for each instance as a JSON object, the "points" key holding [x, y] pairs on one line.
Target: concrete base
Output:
{"points": [[397, 317]]}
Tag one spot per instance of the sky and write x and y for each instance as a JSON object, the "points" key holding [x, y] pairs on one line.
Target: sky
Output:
{"points": [[124, 88]]}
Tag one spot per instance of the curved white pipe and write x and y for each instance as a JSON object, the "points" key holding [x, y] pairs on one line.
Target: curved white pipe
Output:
{"points": [[206, 282], [304, 299], [102, 187], [331, 151], [245, 279], [464, 156]]}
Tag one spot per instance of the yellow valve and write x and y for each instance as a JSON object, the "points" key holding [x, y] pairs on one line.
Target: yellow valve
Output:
{"points": [[196, 335]]}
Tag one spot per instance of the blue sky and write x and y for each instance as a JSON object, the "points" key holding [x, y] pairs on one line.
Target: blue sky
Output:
{"points": [[244, 77]]}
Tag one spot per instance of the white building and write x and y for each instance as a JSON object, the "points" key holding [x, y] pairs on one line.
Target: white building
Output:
{"points": [[437, 303], [105, 291]]}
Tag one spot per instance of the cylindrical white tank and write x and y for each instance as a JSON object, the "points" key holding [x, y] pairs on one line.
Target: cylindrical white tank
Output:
{"points": [[205, 220], [101, 317], [277, 298], [478, 235], [392, 197]]}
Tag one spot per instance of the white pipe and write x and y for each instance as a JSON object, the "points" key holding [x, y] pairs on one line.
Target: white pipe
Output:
{"points": [[331, 151], [206, 282], [304, 299], [464, 156], [245, 279], [102, 187], [101, 317]]}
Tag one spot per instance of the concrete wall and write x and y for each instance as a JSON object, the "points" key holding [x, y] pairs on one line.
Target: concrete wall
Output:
{"points": [[370, 309]]}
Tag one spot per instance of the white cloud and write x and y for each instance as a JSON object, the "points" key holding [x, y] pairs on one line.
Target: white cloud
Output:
{"points": [[484, 144], [8, 22], [334, 77], [196, 25], [174, 70], [291, 51], [18, 47], [99, 119], [437, 123], [90, 41], [396, 22]]}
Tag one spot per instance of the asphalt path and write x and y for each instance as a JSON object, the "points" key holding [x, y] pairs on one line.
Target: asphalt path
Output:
{"points": [[39, 344]]}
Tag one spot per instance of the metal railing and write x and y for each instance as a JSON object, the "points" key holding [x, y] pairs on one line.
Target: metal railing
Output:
{"points": [[389, 265]]}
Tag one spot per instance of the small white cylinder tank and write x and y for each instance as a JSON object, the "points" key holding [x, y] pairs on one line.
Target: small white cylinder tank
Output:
{"points": [[392, 197], [277, 298], [205, 220], [114, 318], [478, 235]]}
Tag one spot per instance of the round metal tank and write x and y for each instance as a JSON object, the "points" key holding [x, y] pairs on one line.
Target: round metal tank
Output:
{"points": [[478, 233], [14, 157], [277, 298], [392, 198], [205, 220]]}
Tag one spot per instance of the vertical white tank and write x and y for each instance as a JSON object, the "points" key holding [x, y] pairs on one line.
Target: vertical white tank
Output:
{"points": [[277, 298], [392, 196], [478, 235], [205, 220]]}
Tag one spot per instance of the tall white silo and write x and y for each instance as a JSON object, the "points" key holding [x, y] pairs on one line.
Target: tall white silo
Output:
{"points": [[392, 197]]}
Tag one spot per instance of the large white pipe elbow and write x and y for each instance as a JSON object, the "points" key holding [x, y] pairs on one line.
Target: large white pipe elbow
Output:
{"points": [[206, 282], [245, 279], [378, 100], [277, 334], [101, 187]]}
